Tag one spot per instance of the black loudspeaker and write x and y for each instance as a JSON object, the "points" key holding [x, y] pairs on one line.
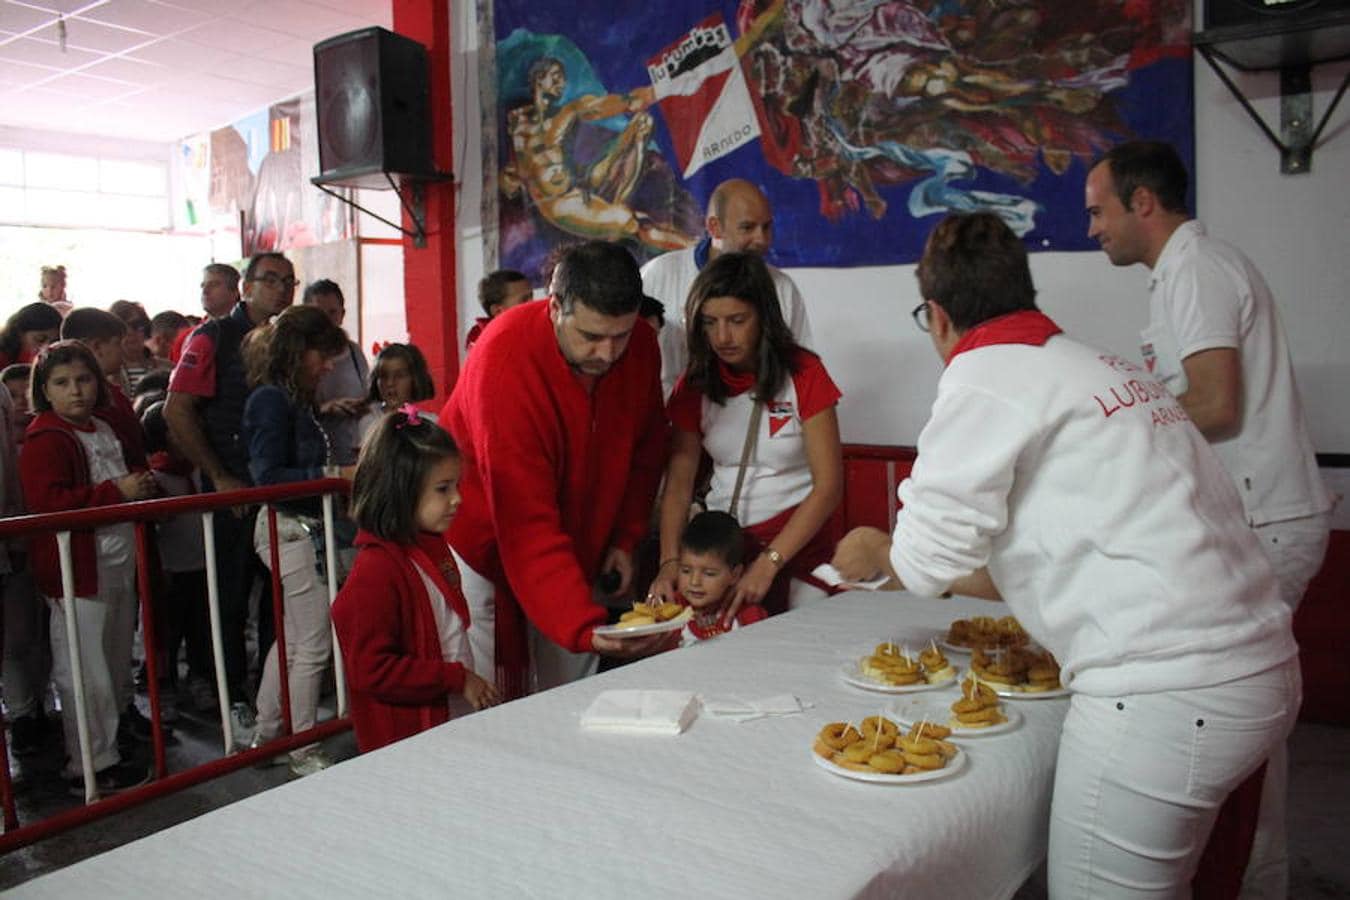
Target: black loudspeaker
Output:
{"points": [[1227, 13], [372, 99]]}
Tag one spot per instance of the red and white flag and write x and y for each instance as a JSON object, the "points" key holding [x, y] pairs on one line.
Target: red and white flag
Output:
{"points": [[703, 95]]}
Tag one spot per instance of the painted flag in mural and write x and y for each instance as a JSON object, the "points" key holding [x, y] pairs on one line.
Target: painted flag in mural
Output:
{"points": [[703, 95]]}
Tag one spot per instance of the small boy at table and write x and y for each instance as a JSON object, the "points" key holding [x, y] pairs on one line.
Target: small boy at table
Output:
{"points": [[711, 561]]}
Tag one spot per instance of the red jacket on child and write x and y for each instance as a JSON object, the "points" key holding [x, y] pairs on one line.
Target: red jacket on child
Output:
{"points": [[399, 681], [55, 475]]}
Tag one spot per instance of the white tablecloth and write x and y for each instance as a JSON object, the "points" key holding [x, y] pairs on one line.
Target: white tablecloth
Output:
{"points": [[518, 801]]}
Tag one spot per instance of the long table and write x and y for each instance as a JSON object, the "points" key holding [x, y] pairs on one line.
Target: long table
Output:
{"points": [[519, 801]]}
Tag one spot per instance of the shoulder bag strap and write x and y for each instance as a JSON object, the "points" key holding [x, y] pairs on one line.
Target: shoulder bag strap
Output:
{"points": [[751, 437]]}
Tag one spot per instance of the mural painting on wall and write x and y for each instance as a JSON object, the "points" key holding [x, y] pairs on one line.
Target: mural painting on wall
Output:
{"points": [[863, 120], [260, 166]]}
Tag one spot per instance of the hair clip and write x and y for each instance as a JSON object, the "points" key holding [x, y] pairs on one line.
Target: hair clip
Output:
{"points": [[410, 412]]}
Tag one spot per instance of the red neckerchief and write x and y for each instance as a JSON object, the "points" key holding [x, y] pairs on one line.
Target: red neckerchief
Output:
{"points": [[698, 630], [1026, 326], [432, 556], [736, 382]]}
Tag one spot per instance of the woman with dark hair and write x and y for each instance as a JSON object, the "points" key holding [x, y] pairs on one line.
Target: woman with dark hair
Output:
{"points": [[286, 360], [26, 332], [763, 408], [137, 360]]}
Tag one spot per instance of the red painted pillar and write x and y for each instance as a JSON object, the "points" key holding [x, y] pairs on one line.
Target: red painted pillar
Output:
{"points": [[429, 272]]}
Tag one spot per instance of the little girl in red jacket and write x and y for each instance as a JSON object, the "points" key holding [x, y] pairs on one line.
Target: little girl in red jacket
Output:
{"points": [[401, 620], [72, 459]]}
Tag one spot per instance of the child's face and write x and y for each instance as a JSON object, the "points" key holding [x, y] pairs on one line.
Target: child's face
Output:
{"points": [[33, 341], [72, 391], [705, 578], [395, 382], [439, 498], [18, 392], [108, 352], [517, 292]]}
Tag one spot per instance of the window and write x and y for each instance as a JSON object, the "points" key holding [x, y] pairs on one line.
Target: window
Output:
{"points": [[67, 190]]}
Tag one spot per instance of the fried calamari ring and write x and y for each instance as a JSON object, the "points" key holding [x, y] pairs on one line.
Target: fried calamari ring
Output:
{"points": [[872, 724], [668, 611], [929, 729], [889, 762], [972, 689], [838, 735], [980, 718], [926, 761]]}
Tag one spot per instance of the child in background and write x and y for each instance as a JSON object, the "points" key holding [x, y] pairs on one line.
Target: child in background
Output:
{"points": [[711, 561], [72, 459], [401, 620], [15, 379], [185, 613], [398, 377], [497, 292], [103, 333]]}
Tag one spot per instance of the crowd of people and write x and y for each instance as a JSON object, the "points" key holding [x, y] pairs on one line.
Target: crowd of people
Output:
{"points": [[481, 548]]}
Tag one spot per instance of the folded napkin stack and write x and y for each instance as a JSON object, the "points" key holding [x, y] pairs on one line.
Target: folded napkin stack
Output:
{"points": [[642, 712], [739, 709]]}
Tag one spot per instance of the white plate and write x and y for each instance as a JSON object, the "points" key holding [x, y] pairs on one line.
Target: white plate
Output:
{"points": [[622, 631], [940, 712], [954, 765], [952, 648], [852, 673], [1016, 692]]}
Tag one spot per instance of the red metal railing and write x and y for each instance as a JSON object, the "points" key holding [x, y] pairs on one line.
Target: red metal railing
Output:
{"points": [[141, 514]]}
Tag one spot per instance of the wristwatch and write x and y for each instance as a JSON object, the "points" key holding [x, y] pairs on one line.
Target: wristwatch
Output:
{"points": [[774, 557]]}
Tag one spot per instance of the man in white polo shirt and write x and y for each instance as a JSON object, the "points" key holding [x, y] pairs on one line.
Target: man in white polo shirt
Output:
{"points": [[740, 219], [1214, 339]]}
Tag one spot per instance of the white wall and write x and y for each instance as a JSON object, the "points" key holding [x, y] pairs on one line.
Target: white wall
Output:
{"points": [[1295, 228]]}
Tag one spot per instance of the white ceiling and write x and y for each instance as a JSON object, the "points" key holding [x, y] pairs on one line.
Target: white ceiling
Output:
{"points": [[160, 70]]}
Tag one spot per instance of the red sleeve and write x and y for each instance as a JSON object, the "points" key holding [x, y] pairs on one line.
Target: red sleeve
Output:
{"points": [[370, 615], [181, 338], [816, 392], [518, 460], [195, 373], [49, 468], [685, 408], [121, 417], [751, 613]]}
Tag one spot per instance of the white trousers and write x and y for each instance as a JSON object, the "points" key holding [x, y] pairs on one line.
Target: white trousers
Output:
{"points": [[1140, 779], [550, 665], [105, 624], [1295, 549], [306, 626], [478, 596]]}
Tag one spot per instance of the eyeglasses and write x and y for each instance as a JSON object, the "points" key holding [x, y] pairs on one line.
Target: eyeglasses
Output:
{"points": [[920, 314], [272, 279]]}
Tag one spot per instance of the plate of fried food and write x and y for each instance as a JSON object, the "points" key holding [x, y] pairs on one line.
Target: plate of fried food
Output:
{"points": [[892, 669], [1018, 673], [975, 713], [648, 618], [984, 633], [875, 750]]}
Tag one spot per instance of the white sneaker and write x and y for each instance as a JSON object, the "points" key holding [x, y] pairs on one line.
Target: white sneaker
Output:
{"points": [[243, 724], [308, 760], [281, 759]]}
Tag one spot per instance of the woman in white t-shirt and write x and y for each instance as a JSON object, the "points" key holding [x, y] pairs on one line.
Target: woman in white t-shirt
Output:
{"points": [[742, 356]]}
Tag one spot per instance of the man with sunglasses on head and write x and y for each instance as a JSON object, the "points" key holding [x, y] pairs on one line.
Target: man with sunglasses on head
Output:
{"points": [[204, 409]]}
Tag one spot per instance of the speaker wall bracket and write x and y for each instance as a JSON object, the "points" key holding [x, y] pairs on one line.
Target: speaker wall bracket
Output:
{"points": [[1298, 138], [412, 197]]}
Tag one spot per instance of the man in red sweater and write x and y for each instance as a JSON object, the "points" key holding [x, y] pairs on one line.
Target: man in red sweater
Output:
{"points": [[558, 416]]}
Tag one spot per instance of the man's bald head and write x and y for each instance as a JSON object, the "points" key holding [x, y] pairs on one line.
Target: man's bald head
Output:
{"points": [[740, 218]]}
